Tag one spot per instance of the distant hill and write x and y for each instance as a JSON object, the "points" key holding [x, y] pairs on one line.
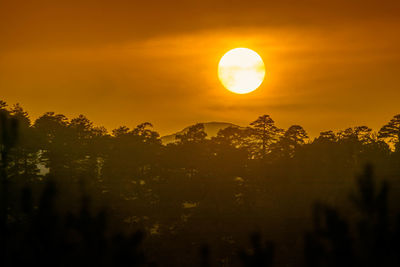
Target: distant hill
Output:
{"points": [[211, 128]]}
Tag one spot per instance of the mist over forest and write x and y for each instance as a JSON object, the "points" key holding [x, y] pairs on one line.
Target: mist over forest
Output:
{"points": [[73, 194]]}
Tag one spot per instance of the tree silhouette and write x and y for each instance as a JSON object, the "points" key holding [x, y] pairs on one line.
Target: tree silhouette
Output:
{"points": [[373, 243], [391, 130], [24, 155], [8, 139], [120, 131], [235, 137], [266, 132], [327, 136], [293, 137], [51, 238], [54, 137], [195, 134]]}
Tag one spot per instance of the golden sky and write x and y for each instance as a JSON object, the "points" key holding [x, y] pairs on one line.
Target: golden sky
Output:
{"points": [[329, 64]]}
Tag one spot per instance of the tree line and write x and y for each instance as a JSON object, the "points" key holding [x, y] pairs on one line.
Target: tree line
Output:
{"points": [[196, 190]]}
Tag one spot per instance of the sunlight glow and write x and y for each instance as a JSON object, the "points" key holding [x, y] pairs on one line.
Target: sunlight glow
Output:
{"points": [[241, 70]]}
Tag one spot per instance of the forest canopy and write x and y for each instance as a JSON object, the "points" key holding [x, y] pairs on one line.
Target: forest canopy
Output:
{"points": [[197, 189]]}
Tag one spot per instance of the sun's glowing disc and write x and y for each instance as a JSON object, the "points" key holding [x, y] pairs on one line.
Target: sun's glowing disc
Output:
{"points": [[241, 70]]}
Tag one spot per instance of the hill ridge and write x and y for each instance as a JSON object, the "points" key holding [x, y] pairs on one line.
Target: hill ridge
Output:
{"points": [[211, 128]]}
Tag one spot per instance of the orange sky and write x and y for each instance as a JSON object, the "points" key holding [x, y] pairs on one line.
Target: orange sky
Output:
{"points": [[329, 64]]}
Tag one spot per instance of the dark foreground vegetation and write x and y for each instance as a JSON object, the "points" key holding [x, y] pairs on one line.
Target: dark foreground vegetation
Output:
{"points": [[74, 195]]}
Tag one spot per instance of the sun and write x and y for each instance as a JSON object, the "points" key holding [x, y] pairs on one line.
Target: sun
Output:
{"points": [[241, 70]]}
